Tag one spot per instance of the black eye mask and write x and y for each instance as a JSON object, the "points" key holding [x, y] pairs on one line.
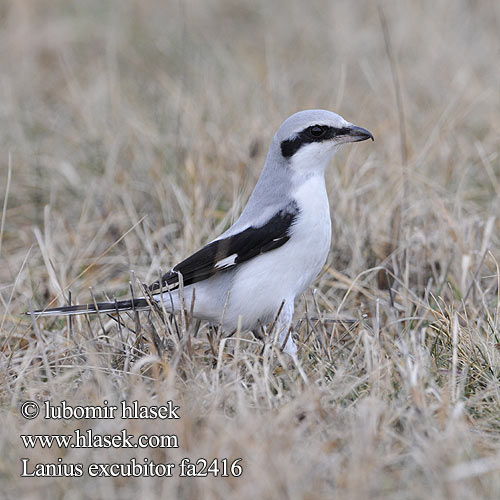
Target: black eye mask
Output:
{"points": [[314, 133]]}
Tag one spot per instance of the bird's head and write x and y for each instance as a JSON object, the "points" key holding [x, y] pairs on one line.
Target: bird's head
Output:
{"points": [[308, 139]]}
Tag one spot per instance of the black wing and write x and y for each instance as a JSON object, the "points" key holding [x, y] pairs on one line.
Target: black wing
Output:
{"points": [[226, 253]]}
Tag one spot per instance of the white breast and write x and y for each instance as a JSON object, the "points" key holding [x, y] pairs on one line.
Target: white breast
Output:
{"points": [[313, 230], [261, 284]]}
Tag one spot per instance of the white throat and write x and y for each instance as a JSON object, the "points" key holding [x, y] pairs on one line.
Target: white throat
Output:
{"points": [[313, 158]]}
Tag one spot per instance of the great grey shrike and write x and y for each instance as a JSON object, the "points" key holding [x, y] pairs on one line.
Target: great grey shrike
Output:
{"points": [[251, 275]]}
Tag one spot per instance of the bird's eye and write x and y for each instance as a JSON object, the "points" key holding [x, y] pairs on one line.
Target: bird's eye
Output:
{"points": [[317, 131]]}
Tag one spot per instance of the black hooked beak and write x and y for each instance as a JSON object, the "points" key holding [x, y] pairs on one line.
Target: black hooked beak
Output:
{"points": [[357, 134]]}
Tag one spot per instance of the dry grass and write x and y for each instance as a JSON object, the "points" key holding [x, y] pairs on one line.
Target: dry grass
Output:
{"points": [[115, 111]]}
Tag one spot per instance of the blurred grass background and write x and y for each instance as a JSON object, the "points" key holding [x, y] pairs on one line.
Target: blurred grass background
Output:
{"points": [[155, 118]]}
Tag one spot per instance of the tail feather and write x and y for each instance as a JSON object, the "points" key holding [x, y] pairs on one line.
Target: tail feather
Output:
{"points": [[102, 307]]}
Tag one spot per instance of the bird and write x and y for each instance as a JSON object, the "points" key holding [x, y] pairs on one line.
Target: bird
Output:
{"points": [[251, 276]]}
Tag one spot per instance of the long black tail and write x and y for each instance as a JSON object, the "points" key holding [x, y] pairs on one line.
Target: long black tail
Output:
{"points": [[99, 307]]}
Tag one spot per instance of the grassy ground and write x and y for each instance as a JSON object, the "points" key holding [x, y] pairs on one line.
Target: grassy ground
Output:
{"points": [[132, 132]]}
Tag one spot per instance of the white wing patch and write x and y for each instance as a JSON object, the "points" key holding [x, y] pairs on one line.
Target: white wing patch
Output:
{"points": [[226, 262]]}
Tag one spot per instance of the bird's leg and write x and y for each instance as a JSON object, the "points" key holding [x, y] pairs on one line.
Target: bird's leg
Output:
{"points": [[283, 327]]}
